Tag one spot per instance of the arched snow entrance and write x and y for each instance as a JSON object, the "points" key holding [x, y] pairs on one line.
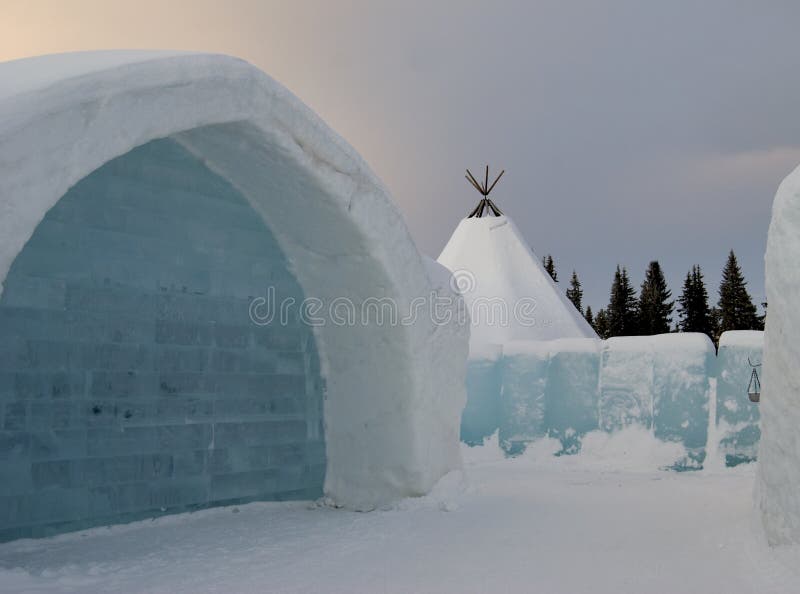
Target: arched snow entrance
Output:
{"points": [[172, 126]]}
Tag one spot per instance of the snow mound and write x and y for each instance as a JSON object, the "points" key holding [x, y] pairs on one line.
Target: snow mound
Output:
{"points": [[779, 449]]}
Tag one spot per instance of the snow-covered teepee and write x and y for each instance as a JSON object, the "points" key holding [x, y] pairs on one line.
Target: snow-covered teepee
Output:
{"points": [[509, 294]]}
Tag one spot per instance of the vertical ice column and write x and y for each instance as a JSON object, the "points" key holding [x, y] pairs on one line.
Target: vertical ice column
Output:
{"points": [[523, 395], [682, 366], [626, 383], [481, 416], [572, 391], [737, 417]]}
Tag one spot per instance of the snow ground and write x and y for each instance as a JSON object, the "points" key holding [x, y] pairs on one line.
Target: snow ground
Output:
{"points": [[532, 524]]}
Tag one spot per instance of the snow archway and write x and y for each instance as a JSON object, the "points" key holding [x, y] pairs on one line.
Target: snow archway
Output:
{"points": [[394, 392]]}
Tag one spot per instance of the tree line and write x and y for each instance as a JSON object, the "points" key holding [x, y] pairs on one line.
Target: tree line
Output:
{"points": [[651, 312]]}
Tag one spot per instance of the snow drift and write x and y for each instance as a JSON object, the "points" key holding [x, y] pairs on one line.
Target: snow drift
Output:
{"points": [[391, 405]]}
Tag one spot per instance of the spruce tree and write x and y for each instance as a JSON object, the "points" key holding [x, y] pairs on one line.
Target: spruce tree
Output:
{"points": [[550, 266], [715, 319], [575, 293], [622, 306], [655, 308], [589, 318], [631, 304], [694, 313], [736, 308], [601, 324], [685, 304]]}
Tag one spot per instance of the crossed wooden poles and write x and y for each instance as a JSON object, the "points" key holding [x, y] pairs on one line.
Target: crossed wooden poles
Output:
{"points": [[484, 189]]}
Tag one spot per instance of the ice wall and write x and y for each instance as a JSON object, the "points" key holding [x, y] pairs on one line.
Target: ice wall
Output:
{"points": [[682, 366], [572, 386], [779, 451], [737, 419], [566, 388], [523, 397], [660, 383], [132, 379], [626, 383], [481, 416], [535, 389]]}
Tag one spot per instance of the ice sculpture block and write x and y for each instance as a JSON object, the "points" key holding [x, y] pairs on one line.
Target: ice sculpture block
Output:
{"points": [[523, 395], [626, 383], [737, 417], [682, 366], [572, 391], [481, 416]]}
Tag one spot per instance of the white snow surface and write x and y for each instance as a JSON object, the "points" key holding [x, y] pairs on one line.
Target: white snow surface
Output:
{"points": [[493, 265], [392, 409], [779, 448], [18, 77], [744, 338], [572, 524]]}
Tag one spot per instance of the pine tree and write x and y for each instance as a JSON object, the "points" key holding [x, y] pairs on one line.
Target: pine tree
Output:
{"points": [[715, 319], [622, 307], [736, 308], [694, 313], [686, 303], [655, 308], [575, 293], [601, 324], [589, 318], [550, 266]]}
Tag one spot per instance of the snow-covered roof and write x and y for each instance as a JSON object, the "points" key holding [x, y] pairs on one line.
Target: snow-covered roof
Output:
{"points": [[493, 264]]}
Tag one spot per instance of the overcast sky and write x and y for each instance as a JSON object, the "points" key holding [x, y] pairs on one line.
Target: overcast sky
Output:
{"points": [[630, 131]]}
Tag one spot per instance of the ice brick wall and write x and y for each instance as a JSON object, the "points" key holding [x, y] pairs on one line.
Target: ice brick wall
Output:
{"points": [[523, 397], [132, 381], [626, 384], [535, 388], [481, 416], [737, 418], [573, 391], [682, 366], [566, 388]]}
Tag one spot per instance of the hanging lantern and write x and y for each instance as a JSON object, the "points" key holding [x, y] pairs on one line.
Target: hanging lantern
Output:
{"points": [[754, 387]]}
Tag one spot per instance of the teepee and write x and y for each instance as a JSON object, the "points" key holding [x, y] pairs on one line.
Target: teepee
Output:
{"points": [[507, 292]]}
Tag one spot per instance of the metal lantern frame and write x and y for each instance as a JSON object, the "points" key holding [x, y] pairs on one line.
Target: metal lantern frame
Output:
{"points": [[754, 387]]}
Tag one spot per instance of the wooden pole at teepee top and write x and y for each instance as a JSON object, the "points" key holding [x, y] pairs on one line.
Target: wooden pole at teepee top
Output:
{"points": [[484, 189], [495, 182]]}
